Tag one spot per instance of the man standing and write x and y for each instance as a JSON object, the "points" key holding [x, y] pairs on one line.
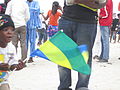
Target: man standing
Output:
{"points": [[33, 24], [105, 21], [19, 12], [79, 22]]}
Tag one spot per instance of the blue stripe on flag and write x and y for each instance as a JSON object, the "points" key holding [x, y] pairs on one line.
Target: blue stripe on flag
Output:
{"points": [[37, 52]]}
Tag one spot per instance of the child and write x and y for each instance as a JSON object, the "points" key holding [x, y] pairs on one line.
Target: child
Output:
{"points": [[53, 16], [42, 32], [7, 55]]}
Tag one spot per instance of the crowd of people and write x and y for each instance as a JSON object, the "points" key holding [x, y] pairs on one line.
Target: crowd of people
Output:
{"points": [[20, 21]]}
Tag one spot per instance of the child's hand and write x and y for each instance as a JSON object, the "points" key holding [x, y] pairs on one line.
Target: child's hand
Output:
{"points": [[4, 66], [18, 66]]}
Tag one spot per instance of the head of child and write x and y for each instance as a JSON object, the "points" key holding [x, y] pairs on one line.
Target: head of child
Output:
{"points": [[55, 6], [6, 30]]}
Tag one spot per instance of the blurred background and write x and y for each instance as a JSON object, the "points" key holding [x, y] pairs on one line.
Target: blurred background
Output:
{"points": [[46, 4]]}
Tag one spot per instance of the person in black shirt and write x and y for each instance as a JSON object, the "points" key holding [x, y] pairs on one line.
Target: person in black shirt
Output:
{"points": [[79, 22]]}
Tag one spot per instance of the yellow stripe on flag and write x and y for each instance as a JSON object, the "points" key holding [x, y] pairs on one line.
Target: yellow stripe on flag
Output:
{"points": [[85, 56], [1, 58], [59, 58]]}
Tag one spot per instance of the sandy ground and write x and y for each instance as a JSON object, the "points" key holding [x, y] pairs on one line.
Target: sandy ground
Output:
{"points": [[43, 75]]}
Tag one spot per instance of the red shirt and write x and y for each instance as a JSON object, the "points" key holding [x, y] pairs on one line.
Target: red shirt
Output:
{"points": [[106, 14], [119, 6], [53, 19]]}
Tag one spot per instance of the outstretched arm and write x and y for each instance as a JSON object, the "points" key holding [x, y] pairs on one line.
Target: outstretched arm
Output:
{"points": [[45, 17]]}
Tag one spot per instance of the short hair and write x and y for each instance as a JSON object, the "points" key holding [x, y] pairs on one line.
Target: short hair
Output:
{"points": [[55, 3]]}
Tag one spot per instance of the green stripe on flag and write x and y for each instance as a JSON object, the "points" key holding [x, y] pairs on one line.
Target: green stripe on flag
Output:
{"points": [[69, 48], [63, 51], [55, 55]]}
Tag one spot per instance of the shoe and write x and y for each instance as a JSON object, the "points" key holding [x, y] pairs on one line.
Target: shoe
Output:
{"points": [[96, 56], [83, 88], [103, 60], [39, 43], [30, 60], [66, 89]]}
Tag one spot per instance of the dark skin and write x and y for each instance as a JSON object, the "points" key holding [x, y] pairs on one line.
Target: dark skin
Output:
{"points": [[6, 35], [54, 10]]}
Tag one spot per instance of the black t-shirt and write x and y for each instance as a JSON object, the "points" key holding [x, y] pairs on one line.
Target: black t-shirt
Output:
{"points": [[80, 14], [114, 24]]}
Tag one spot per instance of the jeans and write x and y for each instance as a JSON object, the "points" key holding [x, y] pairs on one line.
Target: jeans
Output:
{"points": [[81, 33], [105, 42]]}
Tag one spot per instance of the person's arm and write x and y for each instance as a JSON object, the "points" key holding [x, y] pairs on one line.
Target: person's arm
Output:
{"points": [[4, 67], [7, 67], [45, 17], [103, 13], [60, 8], [97, 4]]}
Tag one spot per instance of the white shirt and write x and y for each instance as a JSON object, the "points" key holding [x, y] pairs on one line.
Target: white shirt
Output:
{"points": [[19, 11], [7, 55]]}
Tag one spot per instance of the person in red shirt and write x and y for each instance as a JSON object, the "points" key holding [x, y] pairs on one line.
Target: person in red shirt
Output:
{"points": [[119, 6], [105, 21], [53, 16]]}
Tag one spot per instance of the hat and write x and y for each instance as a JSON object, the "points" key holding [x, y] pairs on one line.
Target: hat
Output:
{"points": [[5, 21]]}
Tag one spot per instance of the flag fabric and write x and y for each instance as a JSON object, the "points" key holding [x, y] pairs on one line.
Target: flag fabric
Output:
{"points": [[63, 51]]}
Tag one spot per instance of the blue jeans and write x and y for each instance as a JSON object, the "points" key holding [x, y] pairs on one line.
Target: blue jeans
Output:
{"points": [[105, 42], [81, 33]]}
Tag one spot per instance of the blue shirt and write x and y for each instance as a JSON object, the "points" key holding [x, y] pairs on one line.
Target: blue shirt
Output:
{"points": [[34, 21]]}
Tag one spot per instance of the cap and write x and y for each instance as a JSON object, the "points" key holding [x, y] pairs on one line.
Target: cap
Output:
{"points": [[5, 21]]}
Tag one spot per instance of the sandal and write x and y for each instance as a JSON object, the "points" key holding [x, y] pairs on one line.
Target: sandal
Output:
{"points": [[30, 60]]}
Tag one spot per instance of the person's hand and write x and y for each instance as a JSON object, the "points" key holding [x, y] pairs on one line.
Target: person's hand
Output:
{"points": [[18, 66], [4, 66], [60, 8], [100, 16]]}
